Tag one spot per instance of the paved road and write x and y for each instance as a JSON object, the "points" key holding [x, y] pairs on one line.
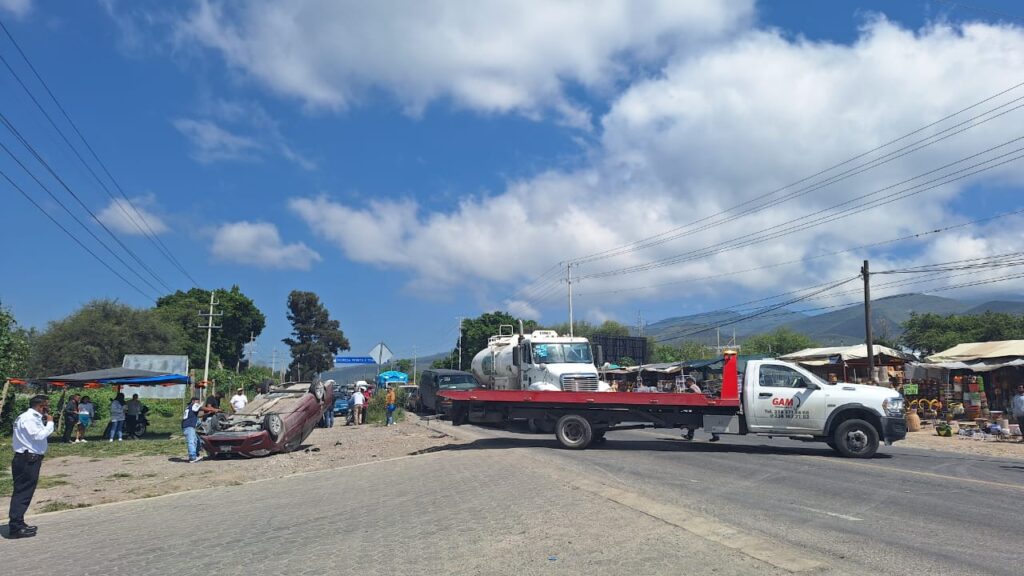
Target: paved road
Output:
{"points": [[906, 511], [449, 512]]}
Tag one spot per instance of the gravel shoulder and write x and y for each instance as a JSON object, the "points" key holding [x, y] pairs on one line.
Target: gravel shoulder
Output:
{"points": [[928, 440], [90, 481]]}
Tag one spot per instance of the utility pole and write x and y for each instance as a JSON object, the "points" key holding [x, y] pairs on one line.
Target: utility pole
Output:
{"points": [[459, 318], [866, 273], [273, 362], [414, 364], [568, 280], [209, 336]]}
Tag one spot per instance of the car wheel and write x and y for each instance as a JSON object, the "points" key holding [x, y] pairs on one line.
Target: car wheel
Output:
{"points": [[574, 432], [274, 425], [319, 390], [856, 439]]}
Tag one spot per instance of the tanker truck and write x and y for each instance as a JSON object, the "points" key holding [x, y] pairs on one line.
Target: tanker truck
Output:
{"points": [[541, 360]]}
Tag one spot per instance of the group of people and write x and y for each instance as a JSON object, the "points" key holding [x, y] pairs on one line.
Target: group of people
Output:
{"points": [[359, 401], [80, 412], [196, 411]]}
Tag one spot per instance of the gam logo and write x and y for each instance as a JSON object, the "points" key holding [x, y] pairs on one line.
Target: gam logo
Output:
{"points": [[793, 402]]}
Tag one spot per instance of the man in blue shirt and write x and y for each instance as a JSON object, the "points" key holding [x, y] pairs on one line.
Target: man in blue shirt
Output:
{"points": [[189, 421]]}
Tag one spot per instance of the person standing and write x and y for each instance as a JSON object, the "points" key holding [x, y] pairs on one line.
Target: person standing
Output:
{"points": [[70, 417], [31, 430], [86, 412], [391, 405], [117, 417], [350, 411], [358, 401], [132, 411], [238, 401], [189, 421], [1017, 406]]}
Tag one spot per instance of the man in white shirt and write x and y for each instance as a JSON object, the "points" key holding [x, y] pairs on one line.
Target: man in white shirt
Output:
{"points": [[238, 401], [360, 402], [31, 430]]}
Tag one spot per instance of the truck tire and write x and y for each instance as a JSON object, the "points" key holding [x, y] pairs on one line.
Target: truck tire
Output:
{"points": [[574, 432], [856, 438]]}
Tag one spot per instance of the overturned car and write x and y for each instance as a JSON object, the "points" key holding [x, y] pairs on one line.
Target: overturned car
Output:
{"points": [[278, 421]]}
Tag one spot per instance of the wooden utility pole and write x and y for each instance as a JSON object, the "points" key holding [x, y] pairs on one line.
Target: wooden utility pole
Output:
{"points": [[209, 327], [866, 273]]}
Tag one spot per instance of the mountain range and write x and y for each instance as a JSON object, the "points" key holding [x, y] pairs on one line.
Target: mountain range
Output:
{"points": [[840, 327]]}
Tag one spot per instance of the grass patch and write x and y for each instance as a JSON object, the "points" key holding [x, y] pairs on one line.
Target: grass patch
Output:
{"points": [[120, 475], [7, 483], [59, 505]]}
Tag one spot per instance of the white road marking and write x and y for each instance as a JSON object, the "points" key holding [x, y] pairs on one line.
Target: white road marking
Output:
{"points": [[833, 514]]}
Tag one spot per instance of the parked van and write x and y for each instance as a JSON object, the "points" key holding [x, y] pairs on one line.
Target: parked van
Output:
{"points": [[436, 379]]}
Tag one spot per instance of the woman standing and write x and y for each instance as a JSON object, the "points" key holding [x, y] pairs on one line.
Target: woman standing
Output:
{"points": [[86, 411], [117, 417]]}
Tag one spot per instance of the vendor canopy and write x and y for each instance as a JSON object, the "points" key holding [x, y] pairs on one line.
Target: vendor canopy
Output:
{"points": [[822, 356], [114, 377], [974, 351]]}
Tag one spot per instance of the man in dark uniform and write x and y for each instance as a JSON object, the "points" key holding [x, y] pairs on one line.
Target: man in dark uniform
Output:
{"points": [[31, 430]]}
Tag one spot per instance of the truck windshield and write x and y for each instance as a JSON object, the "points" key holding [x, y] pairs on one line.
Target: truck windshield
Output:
{"points": [[457, 382], [578, 353]]}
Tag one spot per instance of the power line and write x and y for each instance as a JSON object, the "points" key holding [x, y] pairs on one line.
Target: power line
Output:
{"points": [[74, 217], [809, 258], [661, 238], [148, 232], [780, 230], [72, 236]]}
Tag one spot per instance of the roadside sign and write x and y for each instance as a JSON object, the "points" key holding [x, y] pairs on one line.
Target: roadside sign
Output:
{"points": [[380, 353], [354, 360]]}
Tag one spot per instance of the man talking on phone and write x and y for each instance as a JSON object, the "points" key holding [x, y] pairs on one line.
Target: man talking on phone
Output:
{"points": [[31, 430]]}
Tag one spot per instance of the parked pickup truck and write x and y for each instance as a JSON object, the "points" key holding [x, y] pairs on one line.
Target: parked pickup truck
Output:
{"points": [[776, 399]]}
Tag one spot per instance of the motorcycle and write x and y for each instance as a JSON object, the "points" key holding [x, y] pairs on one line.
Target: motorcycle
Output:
{"points": [[141, 424]]}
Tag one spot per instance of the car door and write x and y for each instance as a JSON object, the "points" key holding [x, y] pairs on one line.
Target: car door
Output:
{"points": [[787, 399]]}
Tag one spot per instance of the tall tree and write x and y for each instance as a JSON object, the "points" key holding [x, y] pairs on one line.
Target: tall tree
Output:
{"points": [[476, 331], [241, 320], [98, 335], [316, 338], [782, 341]]}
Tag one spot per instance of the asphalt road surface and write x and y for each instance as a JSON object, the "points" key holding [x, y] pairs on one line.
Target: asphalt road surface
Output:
{"points": [[646, 502], [906, 511]]}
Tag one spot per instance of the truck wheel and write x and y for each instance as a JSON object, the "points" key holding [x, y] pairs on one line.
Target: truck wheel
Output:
{"points": [[574, 431], [856, 439]]}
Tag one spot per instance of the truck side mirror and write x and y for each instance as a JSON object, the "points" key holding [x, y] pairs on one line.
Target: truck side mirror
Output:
{"points": [[517, 354]]}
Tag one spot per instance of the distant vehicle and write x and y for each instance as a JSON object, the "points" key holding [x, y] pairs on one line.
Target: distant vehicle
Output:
{"points": [[412, 396], [341, 394], [436, 379], [278, 421]]}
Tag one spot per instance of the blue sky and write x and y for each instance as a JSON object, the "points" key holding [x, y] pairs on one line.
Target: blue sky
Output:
{"points": [[412, 163]]}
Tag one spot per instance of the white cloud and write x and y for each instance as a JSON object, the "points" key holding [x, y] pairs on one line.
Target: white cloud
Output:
{"points": [[211, 143], [716, 128], [259, 244], [498, 56], [17, 8], [132, 218]]}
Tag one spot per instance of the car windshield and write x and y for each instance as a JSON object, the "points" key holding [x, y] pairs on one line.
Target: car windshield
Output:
{"points": [[456, 382], [578, 353]]}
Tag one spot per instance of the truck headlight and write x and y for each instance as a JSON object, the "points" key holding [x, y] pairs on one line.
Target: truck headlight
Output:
{"points": [[893, 406]]}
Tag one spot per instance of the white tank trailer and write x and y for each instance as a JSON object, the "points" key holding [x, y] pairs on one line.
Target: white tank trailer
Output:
{"points": [[541, 360]]}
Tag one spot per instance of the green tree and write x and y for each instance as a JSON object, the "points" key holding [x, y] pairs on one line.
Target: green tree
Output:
{"points": [[404, 365], [476, 331], [931, 333], [665, 353], [316, 338], [98, 336], [14, 353], [241, 320], [782, 341]]}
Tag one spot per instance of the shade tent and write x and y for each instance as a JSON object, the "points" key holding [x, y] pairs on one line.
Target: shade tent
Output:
{"points": [[823, 356], [976, 351], [113, 377]]}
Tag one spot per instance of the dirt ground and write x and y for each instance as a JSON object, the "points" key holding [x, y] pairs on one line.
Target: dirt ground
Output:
{"points": [[928, 440], [91, 481]]}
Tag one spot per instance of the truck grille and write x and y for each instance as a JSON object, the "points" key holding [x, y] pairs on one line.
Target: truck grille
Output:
{"points": [[579, 382]]}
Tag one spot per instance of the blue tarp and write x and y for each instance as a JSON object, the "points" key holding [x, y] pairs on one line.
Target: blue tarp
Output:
{"points": [[392, 376]]}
